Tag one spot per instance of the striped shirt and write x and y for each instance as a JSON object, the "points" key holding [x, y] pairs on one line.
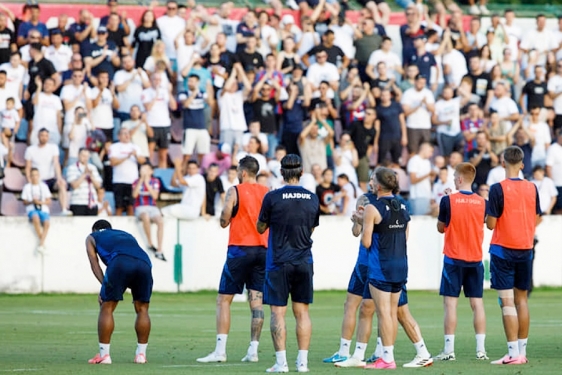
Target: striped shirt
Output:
{"points": [[85, 194], [144, 198]]}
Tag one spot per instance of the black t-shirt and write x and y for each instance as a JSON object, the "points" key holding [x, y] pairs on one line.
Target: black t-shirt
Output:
{"points": [[144, 40], [251, 60], [362, 137], [7, 38], [389, 118], [535, 94], [481, 84], [116, 37], [482, 169], [326, 195], [333, 53], [264, 112], [43, 68], [314, 103], [212, 189], [381, 84]]}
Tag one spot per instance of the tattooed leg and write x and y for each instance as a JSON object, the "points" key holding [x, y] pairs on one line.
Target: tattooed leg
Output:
{"points": [[256, 306], [278, 327]]}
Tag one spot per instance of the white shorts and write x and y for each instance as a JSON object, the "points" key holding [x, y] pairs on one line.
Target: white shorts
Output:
{"points": [[151, 211], [181, 211], [232, 137], [196, 139]]}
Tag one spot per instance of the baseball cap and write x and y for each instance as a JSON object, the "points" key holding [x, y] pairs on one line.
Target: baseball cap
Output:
{"points": [[225, 148], [102, 29], [420, 76], [288, 19], [490, 30]]}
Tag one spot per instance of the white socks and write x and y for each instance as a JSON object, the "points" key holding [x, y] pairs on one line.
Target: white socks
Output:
{"points": [[388, 353], [141, 349], [220, 348], [104, 349], [449, 344], [302, 358], [253, 349], [421, 349], [281, 358], [480, 342], [360, 348], [523, 347], [344, 347], [513, 349], [378, 349]]}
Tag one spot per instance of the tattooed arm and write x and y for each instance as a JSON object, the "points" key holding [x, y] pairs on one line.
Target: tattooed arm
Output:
{"points": [[229, 204]]}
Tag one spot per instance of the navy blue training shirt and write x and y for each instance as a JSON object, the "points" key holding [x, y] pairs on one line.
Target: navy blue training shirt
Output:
{"points": [[112, 242]]}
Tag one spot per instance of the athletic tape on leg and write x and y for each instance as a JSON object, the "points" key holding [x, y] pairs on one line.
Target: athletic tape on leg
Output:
{"points": [[507, 293], [509, 311]]}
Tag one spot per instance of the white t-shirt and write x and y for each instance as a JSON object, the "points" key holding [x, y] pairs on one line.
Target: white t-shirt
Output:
{"points": [[102, 114], [389, 58], [479, 37], [25, 56], [497, 174], [420, 167], [555, 86], [195, 191], [505, 107], [132, 95], [14, 78], [126, 172], [317, 73], [59, 57], [139, 137], [231, 107], [31, 192], [268, 36], [541, 132], [246, 139], [554, 161], [344, 39], [79, 136], [159, 115], [47, 110], [541, 41], [262, 161], [70, 93], [9, 118], [514, 34], [42, 158], [448, 111], [457, 62], [184, 54], [439, 189], [85, 193], [421, 118], [169, 29], [307, 42], [546, 190]]}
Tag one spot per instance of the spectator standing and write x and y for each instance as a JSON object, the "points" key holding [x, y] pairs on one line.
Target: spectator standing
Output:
{"points": [[446, 118], [418, 104], [391, 128], [386, 55], [58, 53], [411, 30], [328, 193], [124, 158], [77, 134], [294, 113], [145, 194], [470, 126], [139, 129], [421, 175], [104, 101], [555, 92], [144, 37], [84, 180], [7, 40], [425, 61], [44, 156], [554, 169], [213, 187], [195, 133], [40, 67], [158, 101], [364, 136], [82, 31], [47, 111], [169, 25], [231, 104], [193, 197], [15, 74], [75, 93], [481, 81], [33, 24], [129, 84], [366, 41], [37, 197], [548, 194], [535, 91], [247, 28], [313, 143], [504, 106], [323, 71], [264, 109], [541, 40], [482, 158], [102, 55], [540, 132]]}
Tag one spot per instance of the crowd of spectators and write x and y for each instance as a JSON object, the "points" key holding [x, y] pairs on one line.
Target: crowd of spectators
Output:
{"points": [[104, 104]]}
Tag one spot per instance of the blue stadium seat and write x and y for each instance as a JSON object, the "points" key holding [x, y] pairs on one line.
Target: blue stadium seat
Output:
{"points": [[165, 176]]}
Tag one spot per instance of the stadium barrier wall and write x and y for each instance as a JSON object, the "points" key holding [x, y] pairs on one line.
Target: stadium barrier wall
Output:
{"points": [[65, 267]]}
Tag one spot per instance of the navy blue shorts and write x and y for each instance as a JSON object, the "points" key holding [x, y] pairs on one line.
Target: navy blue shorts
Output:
{"points": [[455, 277], [290, 279], [386, 286], [403, 300], [245, 265], [359, 280], [127, 272], [506, 274]]}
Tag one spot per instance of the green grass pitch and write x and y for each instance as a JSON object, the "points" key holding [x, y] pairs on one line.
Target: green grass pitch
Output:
{"points": [[56, 334]]}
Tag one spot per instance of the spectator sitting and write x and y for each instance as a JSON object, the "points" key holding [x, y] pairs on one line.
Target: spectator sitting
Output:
{"points": [[125, 158], [193, 197], [441, 187], [45, 157], [548, 194], [523, 137], [230, 178], [221, 157], [349, 196], [145, 194], [213, 187], [274, 166], [139, 129], [37, 197], [254, 131], [262, 179], [483, 191], [84, 180], [254, 150], [497, 174], [104, 208]]}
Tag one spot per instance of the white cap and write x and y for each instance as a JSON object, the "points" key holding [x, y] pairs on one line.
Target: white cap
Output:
{"points": [[225, 148], [288, 19]]}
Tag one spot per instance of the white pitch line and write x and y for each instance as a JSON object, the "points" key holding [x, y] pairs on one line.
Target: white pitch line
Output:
{"points": [[20, 370], [207, 365]]}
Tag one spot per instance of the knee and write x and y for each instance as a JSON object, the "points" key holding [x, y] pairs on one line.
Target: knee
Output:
{"points": [[367, 309], [223, 300]]}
